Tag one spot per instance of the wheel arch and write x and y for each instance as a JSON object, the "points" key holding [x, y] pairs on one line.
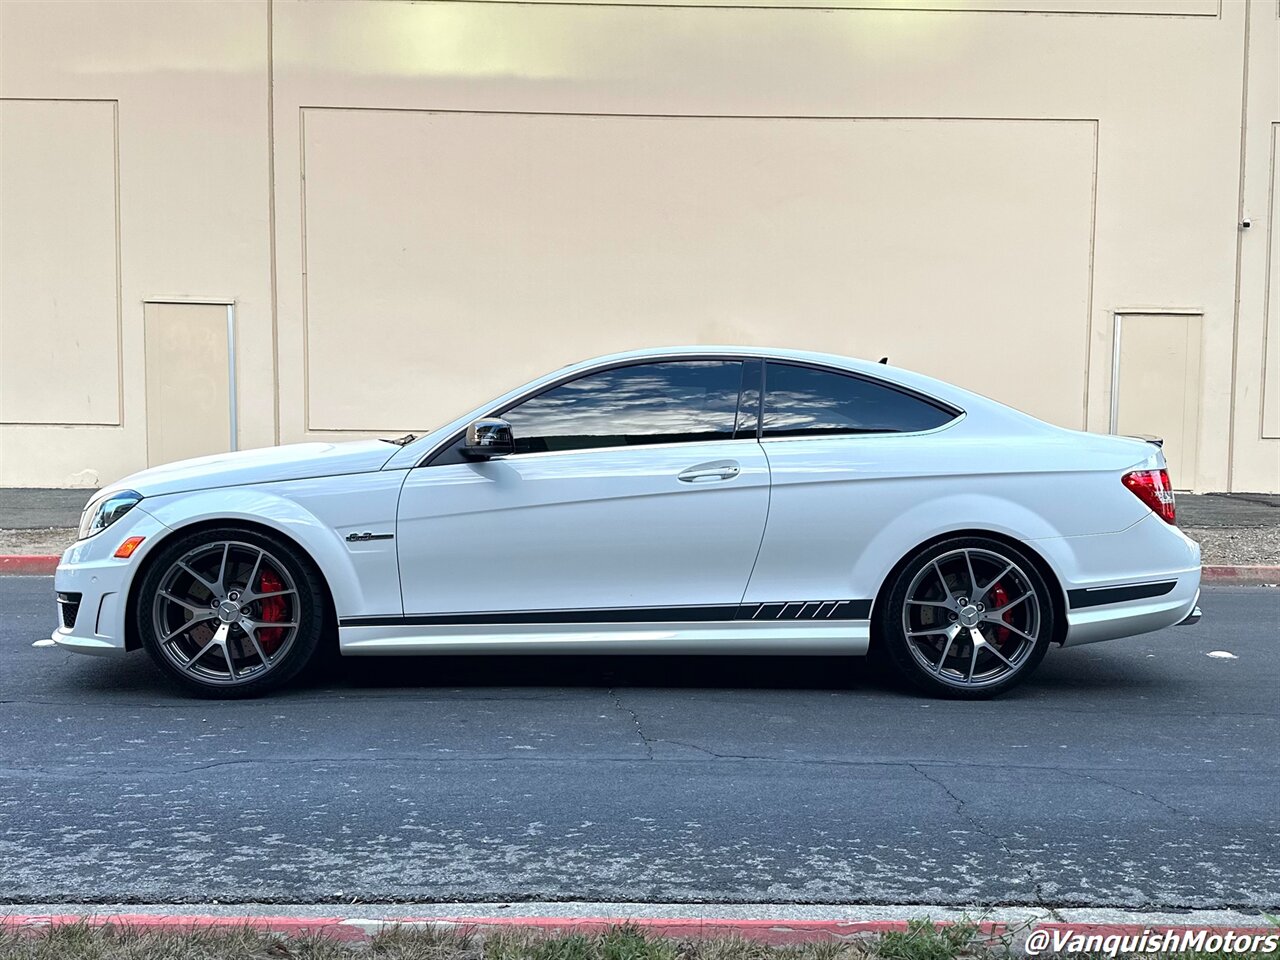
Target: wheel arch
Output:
{"points": [[1057, 594], [131, 639]]}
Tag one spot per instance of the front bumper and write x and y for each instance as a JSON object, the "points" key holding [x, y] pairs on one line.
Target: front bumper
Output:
{"points": [[102, 581]]}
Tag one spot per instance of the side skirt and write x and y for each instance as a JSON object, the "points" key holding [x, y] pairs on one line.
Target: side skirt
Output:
{"points": [[726, 637]]}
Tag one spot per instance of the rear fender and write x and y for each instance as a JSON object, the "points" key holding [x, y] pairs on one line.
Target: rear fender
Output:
{"points": [[967, 514]]}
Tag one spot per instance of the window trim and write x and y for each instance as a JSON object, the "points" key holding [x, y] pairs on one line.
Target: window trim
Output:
{"points": [[941, 405], [640, 446], [429, 458], [448, 444], [757, 383]]}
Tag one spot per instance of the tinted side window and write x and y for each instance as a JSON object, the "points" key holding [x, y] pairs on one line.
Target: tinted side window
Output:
{"points": [[671, 402], [802, 402]]}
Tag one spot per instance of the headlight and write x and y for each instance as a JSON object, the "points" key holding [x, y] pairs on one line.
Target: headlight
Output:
{"points": [[100, 514]]}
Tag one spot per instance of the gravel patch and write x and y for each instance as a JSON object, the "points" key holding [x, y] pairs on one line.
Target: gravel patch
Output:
{"points": [[1237, 545], [40, 542]]}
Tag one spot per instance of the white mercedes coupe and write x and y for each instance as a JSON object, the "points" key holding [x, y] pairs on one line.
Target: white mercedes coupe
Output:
{"points": [[690, 500]]}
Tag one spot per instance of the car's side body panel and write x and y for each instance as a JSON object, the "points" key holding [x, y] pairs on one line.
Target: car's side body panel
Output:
{"points": [[613, 527], [845, 510]]}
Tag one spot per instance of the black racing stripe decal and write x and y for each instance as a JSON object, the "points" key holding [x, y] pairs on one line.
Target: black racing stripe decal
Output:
{"points": [[794, 610], [1097, 596], [807, 610], [612, 615]]}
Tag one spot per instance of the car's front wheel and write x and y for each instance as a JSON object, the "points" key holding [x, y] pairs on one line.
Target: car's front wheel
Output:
{"points": [[969, 618], [230, 612]]}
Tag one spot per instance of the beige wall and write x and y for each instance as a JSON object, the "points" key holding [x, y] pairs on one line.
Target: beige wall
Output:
{"points": [[186, 84], [973, 187]]}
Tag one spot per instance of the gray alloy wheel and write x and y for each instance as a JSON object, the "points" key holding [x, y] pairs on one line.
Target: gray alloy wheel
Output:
{"points": [[230, 613], [972, 618]]}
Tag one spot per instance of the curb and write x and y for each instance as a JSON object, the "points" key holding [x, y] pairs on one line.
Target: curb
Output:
{"points": [[28, 565], [360, 929], [768, 932], [44, 565], [1240, 574]]}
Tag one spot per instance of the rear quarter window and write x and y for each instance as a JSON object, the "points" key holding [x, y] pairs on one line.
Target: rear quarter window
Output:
{"points": [[806, 402]]}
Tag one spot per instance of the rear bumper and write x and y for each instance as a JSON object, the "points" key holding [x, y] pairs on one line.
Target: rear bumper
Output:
{"points": [[1143, 578], [1192, 618], [1125, 618]]}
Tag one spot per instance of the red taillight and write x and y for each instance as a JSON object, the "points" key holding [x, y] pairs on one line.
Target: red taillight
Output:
{"points": [[1152, 488]]}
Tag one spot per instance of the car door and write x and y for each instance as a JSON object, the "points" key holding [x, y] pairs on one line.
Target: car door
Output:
{"points": [[847, 455], [634, 488]]}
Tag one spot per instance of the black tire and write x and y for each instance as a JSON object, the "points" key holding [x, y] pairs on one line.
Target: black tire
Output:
{"points": [[1000, 649], [255, 655]]}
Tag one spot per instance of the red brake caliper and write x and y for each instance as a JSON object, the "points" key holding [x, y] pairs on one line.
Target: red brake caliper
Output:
{"points": [[273, 611], [999, 597]]}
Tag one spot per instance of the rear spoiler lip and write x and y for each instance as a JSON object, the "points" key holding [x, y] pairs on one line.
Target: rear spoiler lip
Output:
{"points": [[1153, 440]]}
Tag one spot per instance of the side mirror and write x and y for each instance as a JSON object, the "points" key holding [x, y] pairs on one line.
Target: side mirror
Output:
{"points": [[488, 438]]}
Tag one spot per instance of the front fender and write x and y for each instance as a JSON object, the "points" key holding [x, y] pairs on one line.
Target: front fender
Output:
{"points": [[362, 578]]}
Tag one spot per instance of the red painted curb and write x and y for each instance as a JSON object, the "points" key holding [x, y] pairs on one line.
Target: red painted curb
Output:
{"points": [[334, 927], [1240, 574], [27, 564], [770, 932]]}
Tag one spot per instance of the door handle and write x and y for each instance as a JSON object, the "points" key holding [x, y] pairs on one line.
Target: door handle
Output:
{"points": [[716, 470]]}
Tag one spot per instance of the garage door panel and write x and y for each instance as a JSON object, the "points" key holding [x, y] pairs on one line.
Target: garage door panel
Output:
{"points": [[435, 240], [59, 305], [1271, 353], [1143, 8]]}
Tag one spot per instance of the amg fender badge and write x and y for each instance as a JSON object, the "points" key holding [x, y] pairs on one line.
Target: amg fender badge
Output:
{"points": [[361, 537]]}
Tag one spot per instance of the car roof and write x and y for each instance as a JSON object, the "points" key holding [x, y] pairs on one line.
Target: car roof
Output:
{"points": [[781, 353], [930, 386]]}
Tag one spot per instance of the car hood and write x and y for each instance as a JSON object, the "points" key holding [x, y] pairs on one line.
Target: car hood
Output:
{"points": [[295, 461]]}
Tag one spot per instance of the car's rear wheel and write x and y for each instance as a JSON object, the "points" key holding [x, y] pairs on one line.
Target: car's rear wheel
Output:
{"points": [[968, 618], [230, 612]]}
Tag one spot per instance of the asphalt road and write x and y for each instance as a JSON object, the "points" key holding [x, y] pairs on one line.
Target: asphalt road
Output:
{"points": [[1139, 773]]}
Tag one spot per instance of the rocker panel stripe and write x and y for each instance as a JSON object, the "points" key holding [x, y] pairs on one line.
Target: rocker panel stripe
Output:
{"points": [[819, 610]]}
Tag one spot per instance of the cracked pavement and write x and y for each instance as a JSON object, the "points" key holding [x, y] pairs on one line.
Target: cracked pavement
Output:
{"points": [[1139, 773]]}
